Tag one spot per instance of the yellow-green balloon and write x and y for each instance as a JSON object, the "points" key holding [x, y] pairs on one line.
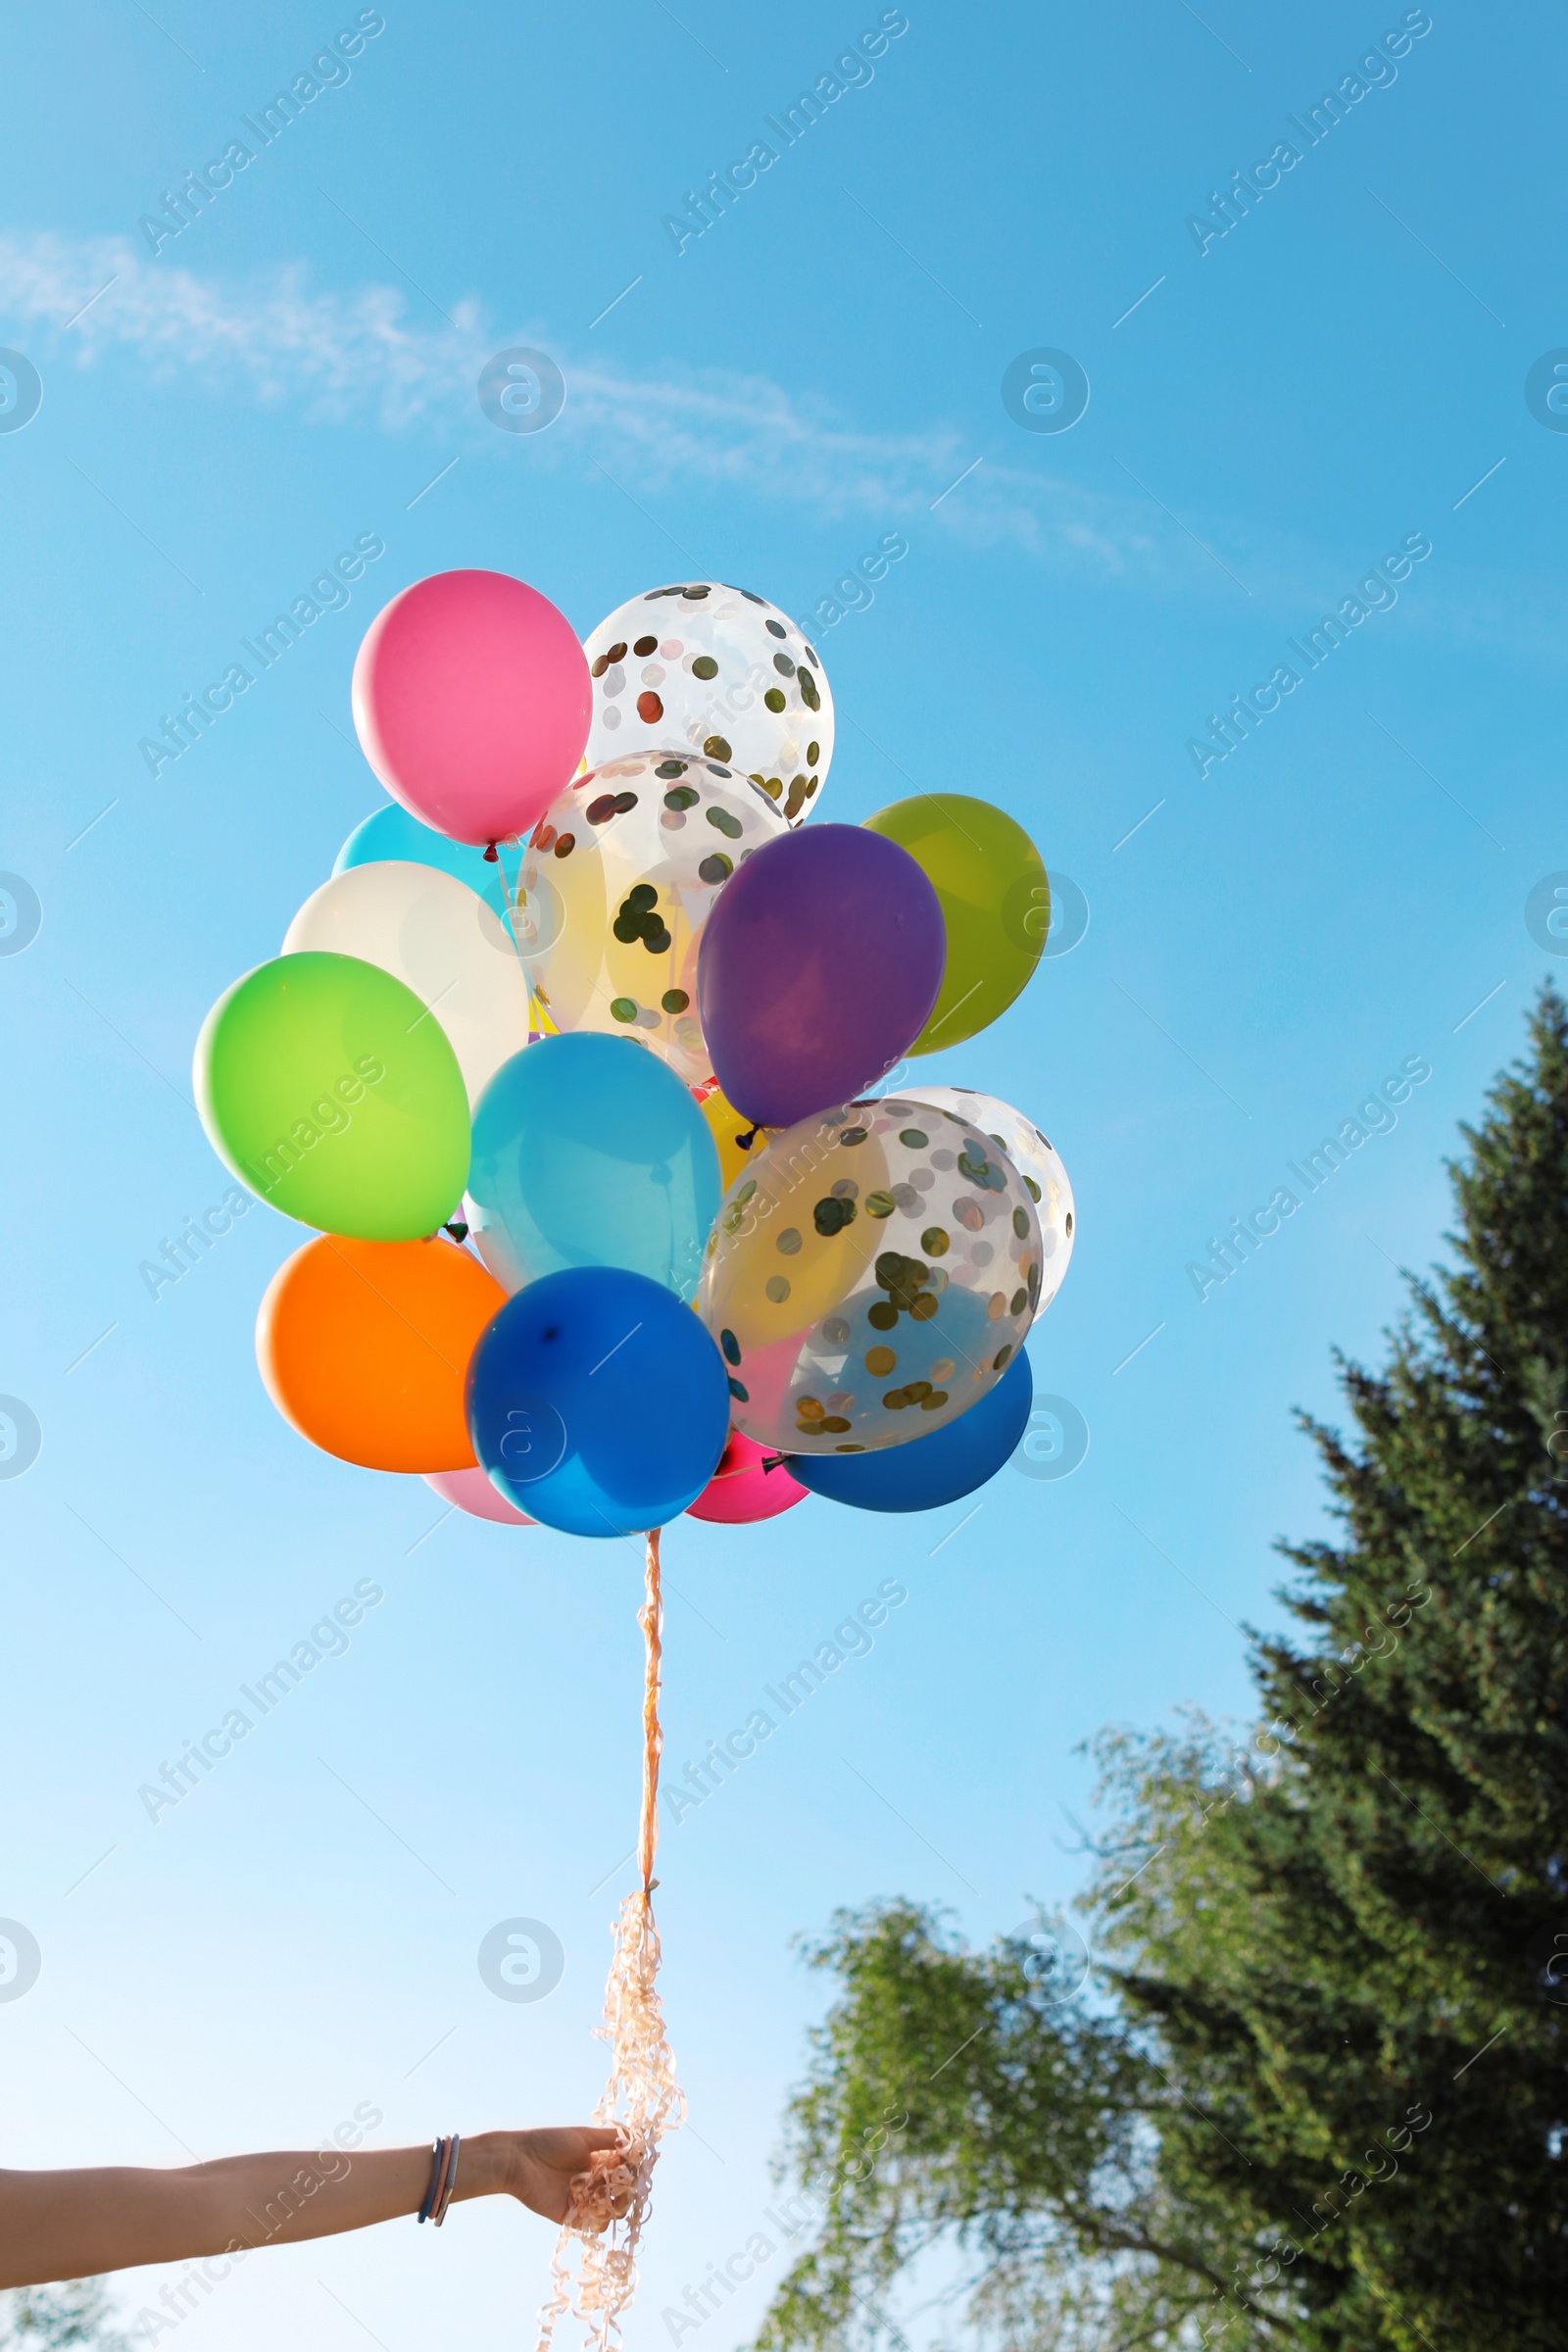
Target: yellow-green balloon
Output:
{"points": [[996, 903], [330, 1089]]}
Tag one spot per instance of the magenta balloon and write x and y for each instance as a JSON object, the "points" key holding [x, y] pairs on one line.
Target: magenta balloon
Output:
{"points": [[471, 701], [750, 1484], [818, 967]]}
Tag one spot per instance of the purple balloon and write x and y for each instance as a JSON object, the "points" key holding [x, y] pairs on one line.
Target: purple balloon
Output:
{"points": [[818, 968]]}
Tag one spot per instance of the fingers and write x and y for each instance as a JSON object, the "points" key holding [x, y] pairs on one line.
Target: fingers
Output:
{"points": [[573, 2145], [582, 2174]]}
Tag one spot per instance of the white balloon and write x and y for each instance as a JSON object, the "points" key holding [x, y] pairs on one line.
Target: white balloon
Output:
{"points": [[716, 670], [439, 938], [1036, 1161]]}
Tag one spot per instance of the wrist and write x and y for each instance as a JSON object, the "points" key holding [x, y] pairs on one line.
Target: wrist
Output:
{"points": [[487, 2166]]}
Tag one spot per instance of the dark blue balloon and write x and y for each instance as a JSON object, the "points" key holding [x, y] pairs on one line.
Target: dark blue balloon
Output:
{"points": [[927, 1471], [597, 1403]]}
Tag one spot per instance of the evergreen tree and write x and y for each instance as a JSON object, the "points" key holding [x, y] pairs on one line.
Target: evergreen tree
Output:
{"points": [[1314, 2093]]}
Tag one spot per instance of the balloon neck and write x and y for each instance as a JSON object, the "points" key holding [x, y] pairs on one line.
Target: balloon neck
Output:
{"points": [[774, 1461], [458, 1230], [490, 856], [744, 1143]]}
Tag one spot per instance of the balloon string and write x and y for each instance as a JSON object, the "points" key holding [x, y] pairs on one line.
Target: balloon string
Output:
{"points": [[508, 899], [650, 1617], [610, 2201]]}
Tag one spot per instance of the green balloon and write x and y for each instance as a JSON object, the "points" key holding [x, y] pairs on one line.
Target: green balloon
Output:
{"points": [[331, 1091], [996, 903]]}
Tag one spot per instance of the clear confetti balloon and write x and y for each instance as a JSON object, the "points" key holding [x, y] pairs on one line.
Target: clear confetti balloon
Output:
{"points": [[1036, 1161], [614, 887], [718, 671], [869, 1277]]}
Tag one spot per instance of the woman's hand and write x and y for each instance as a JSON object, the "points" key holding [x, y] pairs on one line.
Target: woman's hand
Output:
{"points": [[544, 2165]]}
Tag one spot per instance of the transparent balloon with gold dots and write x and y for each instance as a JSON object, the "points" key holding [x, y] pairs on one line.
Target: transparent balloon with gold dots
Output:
{"points": [[1037, 1161], [869, 1277], [615, 886], [714, 669]]}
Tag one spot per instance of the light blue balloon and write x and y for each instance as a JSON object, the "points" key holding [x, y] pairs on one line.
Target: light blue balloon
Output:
{"points": [[393, 833], [589, 1152]]}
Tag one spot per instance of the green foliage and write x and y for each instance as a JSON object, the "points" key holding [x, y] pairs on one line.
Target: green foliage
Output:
{"points": [[48, 2319], [1315, 2093]]}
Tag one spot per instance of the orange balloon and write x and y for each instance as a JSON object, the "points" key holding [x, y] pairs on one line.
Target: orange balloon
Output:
{"points": [[364, 1347]]}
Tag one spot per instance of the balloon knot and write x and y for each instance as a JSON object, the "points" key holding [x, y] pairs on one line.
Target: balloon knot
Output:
{"points": [[744, 1142], [458, 1230], [490, 856], [774, 1461]]}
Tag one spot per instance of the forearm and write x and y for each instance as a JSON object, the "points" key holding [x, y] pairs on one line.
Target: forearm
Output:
{"points": [[72, 2224]]}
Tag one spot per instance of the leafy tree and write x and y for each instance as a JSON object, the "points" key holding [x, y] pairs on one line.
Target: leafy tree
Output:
{"points": [[40, 2319], [1312, 2092]]}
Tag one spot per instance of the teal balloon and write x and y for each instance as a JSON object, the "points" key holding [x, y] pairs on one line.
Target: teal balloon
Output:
{"points": [[393, 833], [589, 1152]]}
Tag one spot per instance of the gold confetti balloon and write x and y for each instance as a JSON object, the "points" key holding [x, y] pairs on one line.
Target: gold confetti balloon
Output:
{"points": [[716, 670], [614, 888], [869, 1277], [1036, 1162]]}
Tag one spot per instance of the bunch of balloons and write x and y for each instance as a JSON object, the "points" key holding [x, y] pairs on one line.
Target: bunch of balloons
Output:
{"points": [[582, 1034]]}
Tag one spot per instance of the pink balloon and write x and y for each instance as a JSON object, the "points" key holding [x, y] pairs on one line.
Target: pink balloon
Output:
{"points": [[471, 701], [740, 1488], [472, 1493]]}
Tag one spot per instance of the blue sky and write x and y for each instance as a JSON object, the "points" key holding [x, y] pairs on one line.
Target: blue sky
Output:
{"points": [[1271, 413]]}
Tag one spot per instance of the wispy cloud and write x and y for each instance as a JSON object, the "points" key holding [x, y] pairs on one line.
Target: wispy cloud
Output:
{"points": [[368, 355], [373, 354], [343, 355]]}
